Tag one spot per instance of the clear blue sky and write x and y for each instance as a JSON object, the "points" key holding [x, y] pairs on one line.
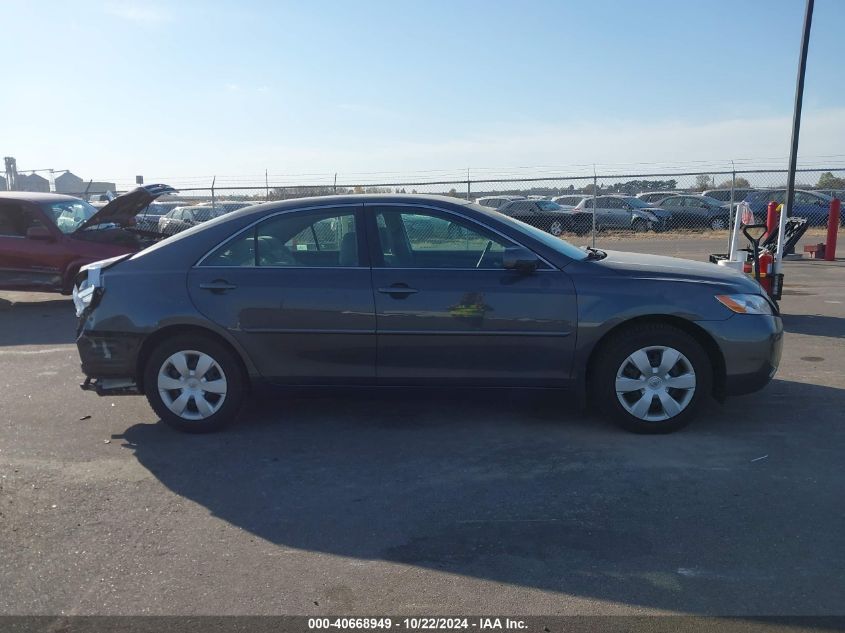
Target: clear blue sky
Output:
{"points": [[111, 89]]}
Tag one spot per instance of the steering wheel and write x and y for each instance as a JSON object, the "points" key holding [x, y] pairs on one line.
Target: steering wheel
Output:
{"points": [[484, 254]]}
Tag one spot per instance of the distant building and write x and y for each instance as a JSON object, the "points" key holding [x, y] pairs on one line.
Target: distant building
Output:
{"points": [[69, 183], [33, 182], [2, 184]]}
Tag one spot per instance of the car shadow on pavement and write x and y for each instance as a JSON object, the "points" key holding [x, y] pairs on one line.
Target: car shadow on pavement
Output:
{"points": [[45, 322], [738, 514], [814, 325]]}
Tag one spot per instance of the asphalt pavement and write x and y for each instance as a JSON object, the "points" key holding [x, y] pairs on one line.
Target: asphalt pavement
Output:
{"points": [[423, 503]]}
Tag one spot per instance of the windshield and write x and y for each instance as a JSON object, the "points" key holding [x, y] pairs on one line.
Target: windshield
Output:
{"points": [[70, 214], [561, 246], [637, 203], [548, 205]]}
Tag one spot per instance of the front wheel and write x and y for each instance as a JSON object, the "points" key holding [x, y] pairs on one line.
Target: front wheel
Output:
{"points": [[556, 228], [194, 383], [651, 378]]}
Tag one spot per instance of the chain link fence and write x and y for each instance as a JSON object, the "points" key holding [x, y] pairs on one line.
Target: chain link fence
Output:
{"points": [[647, 212]]}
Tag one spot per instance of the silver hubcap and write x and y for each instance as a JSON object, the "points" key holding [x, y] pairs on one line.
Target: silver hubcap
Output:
{"points": [[655, 383], [718, 224], [556, 228], [192, 385]]}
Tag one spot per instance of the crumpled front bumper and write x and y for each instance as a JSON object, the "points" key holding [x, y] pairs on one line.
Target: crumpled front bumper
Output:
{"points": [[109, 362]]}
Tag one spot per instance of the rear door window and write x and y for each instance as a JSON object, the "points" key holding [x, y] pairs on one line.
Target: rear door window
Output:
{"points": [[294, 240], [16, 220]]}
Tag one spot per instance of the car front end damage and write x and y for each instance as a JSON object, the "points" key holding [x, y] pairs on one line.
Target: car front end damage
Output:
{"points": [[108, 359]]}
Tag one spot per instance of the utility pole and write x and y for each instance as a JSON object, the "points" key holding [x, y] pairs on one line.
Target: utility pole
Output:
{"points": [[796, 129]]}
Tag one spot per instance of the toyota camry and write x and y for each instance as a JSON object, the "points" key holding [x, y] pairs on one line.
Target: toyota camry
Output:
{"points": [[415, 291]]}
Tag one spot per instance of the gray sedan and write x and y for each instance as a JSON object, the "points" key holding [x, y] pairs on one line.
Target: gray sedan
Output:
{"points": [[337, 291], [693, 211], [615, 212]]}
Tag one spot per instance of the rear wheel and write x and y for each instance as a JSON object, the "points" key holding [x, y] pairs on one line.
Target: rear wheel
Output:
{"points": [[651, 378], [582, 225], [719, 224], [556, 228], [194, 383]]}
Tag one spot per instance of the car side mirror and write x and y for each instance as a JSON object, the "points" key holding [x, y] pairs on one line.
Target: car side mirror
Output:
{"points": [[520, 259], [39, 233]]}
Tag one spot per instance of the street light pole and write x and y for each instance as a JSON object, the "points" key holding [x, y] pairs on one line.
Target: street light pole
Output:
{"points": [[796, 129]]}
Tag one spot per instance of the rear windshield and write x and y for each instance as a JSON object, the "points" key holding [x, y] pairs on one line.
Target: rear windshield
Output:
{"points": [[712, 201], [547, 205]]}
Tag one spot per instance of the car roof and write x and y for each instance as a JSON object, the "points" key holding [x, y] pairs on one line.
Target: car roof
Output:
{"points": [[366, 198], [36, 196]]}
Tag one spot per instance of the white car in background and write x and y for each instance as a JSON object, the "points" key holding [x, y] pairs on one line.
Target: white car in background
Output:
{"points": [[494, 202]]}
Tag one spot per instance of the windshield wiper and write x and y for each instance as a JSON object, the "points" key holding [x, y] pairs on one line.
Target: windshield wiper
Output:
{"points": [[594, 253]]}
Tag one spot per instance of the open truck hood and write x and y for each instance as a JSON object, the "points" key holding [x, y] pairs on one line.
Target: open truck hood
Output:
{"points": [[126, 206]]}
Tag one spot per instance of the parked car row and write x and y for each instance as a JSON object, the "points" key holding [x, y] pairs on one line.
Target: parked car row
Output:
{"points": [[575, 213], [654, 210]]}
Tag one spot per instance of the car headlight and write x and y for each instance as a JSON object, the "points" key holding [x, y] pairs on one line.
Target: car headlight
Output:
{"points": [[746, 304], [89, 286], [83, 296]]}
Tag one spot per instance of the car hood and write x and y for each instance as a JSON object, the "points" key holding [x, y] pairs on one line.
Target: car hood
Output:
{"points": [[126, 206], [660, 267]]}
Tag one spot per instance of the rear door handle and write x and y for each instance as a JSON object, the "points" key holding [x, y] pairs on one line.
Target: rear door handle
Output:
{"points": [[218, 285], [398, 290]]}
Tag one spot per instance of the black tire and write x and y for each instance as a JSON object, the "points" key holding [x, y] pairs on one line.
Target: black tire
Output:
{"points": [[556, 228], [639, 225], [612, 355], [232, 369]]}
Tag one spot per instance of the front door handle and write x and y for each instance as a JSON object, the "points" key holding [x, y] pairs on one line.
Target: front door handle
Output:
{"points": [[402, 291], [218, 285]]}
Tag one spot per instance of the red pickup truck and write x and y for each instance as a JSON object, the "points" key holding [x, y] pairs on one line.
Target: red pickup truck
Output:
{"points": [[45, 237]]}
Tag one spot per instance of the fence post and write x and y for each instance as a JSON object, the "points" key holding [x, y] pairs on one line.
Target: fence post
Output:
{"points": [[213, 180], [469, 193], [595, 198], [266, 187], [832, 229], [731, 214]]}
